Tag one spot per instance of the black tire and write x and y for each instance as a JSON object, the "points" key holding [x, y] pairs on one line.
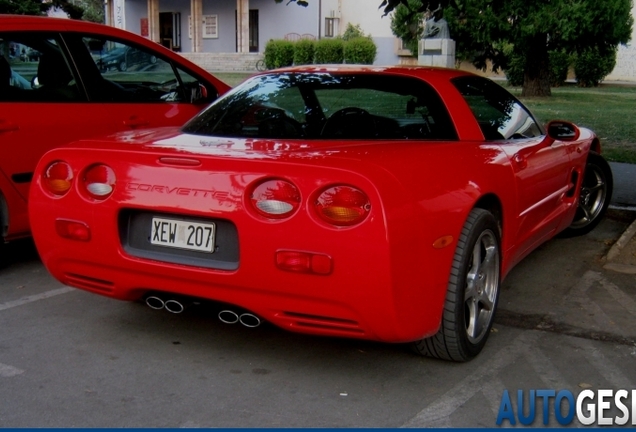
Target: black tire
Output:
{"points": [[3, 247], [594, 198], [3, 253], [472, 294], [122, 66]]}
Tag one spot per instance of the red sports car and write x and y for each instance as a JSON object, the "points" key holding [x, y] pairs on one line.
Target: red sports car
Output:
{"points": [[376, 203], [57, 86]]}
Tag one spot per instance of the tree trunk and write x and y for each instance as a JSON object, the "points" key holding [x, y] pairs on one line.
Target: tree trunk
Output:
{"points": [[536, 79]]}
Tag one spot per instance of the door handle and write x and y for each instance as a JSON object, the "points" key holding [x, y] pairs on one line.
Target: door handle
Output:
{"points": [[8, 126], [134, 122]]}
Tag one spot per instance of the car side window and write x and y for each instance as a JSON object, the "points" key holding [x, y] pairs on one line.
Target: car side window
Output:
{"points": [[135, 74], [33, 68], [499, 114]]}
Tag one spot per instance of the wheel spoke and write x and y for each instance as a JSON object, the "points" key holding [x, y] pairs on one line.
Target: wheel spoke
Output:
{"points": [[472, 325], [599, 185], [587, 216], [482, 282]]}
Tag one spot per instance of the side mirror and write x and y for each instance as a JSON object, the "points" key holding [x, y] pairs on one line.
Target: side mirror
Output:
{"points": [[197, 93], [559, 130]]}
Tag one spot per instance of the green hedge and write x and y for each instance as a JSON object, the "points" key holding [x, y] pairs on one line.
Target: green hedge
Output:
{"points": [[304, 51], [279, 53], [329, 51], [592, 65], [359, 50]]}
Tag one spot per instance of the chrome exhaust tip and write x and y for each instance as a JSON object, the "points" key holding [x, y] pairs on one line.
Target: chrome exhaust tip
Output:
{"points": [[155, 302], [250, 320], [228, 317], [174, 306]]}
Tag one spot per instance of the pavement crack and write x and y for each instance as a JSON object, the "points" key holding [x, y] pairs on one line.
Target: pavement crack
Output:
{"points": [[545, 323]]}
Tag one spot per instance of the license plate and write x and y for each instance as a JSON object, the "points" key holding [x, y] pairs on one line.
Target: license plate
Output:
{"points": [[179, 234]]}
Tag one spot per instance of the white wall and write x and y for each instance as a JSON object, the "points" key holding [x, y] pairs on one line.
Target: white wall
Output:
{"points": [[625, 69], [366, 14]]}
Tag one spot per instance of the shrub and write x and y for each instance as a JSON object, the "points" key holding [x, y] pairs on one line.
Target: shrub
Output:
{"points": [[352, 32], [592, 65], [304, 51], [559, 66], [359, 50], [329, 51], [515, 70], [279, 53]]}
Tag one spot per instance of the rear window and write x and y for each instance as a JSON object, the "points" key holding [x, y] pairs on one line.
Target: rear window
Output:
{"points": [[328, 106]]}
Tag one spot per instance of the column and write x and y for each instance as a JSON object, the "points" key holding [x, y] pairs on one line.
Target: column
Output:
{"points": [[153, 20], [243, 26], [196, 12]]}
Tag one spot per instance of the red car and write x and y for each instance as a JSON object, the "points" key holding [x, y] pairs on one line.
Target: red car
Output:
{"points": [[54, 89], [376, 203]]}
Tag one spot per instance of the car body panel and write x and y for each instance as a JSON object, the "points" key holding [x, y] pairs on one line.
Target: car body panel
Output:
{"points": [[388, 274], [29, 128]]}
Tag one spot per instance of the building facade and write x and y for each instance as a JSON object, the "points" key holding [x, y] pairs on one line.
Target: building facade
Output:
{"points": [[233, 32], [245, 26]]}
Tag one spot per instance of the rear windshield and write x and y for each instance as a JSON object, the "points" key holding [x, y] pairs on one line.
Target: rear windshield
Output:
{"points": [[328, 106]]}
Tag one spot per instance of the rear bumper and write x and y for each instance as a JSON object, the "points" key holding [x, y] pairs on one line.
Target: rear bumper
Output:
{"points": [[344, 304]]}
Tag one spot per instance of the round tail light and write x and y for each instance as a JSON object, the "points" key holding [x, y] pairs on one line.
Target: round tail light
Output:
{"points": [[99, 181], [342, 206], [58, 178], [275, 199]]}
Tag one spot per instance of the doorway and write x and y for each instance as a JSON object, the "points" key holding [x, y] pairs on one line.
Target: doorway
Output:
{"points": [[170, 30], [253, 30]]}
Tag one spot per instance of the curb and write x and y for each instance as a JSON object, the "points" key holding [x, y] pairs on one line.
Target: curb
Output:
{"points": [[616, 249]]}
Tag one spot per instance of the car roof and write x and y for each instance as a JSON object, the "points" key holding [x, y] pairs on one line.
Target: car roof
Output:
{"points": [[31, 22], [19, 23], [429, 72]]}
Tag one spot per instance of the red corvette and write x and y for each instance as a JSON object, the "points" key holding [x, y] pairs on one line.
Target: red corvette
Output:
{"points": [[364, 202], [62, 80]]}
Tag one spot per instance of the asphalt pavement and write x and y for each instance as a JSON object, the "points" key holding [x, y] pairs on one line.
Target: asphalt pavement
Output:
{"points": [[587, 286], [622, 256], [624, 196]]}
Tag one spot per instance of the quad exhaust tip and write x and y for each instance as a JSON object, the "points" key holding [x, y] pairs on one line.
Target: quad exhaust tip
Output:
{"points": [[171, 305], [155, 302], [226, 316], [247, 319]]}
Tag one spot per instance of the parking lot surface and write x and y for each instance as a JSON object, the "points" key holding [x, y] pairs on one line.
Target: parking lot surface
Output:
{"points": [[73, 359]]}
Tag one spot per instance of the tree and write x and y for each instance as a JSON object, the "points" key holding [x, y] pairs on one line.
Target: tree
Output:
{"points": [[406, 24], [93, 10], [482, 28], [39, 7]]}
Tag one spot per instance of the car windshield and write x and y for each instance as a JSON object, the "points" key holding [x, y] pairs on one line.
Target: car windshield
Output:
{"points": [[328, 106]]}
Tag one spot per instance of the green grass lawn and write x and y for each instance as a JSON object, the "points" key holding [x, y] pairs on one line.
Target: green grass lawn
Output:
{"points": [[232, 78], [609, 110]]}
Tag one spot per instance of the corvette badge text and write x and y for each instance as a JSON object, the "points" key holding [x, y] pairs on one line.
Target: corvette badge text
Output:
{"points": [[600, 407], [171, 190]]}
